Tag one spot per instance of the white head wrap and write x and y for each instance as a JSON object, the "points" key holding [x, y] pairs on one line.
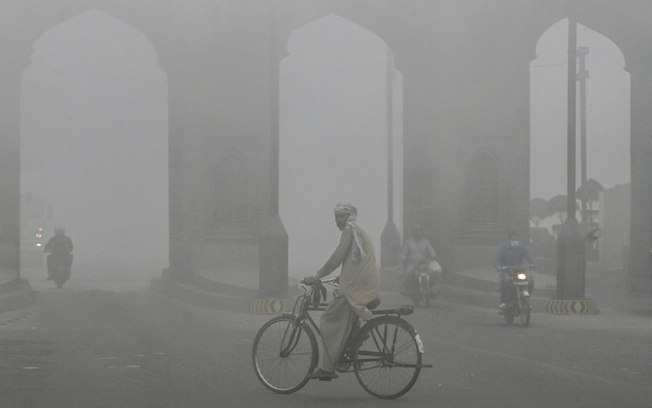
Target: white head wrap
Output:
{"points": [[348, 208]]}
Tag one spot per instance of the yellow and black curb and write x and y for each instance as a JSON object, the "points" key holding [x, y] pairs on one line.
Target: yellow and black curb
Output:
{"points": [[22, 314], [271, 306], [571, 306]]}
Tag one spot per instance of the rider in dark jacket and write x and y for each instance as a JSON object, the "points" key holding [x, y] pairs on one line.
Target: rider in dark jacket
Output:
{"points": [[59, 250], [512, 254]]}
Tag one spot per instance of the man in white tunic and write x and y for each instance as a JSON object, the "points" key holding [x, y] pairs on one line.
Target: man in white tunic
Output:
{"points": [[358, 287]]}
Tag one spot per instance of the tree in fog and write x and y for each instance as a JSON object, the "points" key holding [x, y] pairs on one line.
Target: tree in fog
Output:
{"points": [[539, 211], [557, 206], [590, 192]]}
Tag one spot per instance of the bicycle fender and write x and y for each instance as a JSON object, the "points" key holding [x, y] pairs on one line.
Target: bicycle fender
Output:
{"points": [[420, 347]]}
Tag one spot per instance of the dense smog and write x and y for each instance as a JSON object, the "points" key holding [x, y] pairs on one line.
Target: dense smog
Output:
{"points": [[272, 203]]}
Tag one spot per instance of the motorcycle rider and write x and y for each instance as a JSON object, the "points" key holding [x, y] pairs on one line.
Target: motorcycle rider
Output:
{"points": [[511, 254], [418, 254], [59, 250]]}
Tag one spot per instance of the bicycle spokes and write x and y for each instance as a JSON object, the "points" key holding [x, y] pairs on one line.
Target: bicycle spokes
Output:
{"points": [[284, 353], [386, 344], [387, 360]]}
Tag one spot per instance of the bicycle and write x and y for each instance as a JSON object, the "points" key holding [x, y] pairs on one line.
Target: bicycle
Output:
{"points": [[385, 353]]}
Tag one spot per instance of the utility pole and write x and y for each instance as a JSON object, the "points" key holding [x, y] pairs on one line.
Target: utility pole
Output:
{"points": [[571, 245], [390, 239], [582, 76]]}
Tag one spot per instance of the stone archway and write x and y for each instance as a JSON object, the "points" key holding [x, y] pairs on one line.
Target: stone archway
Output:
{"points": [[333, 135], [95, 142]]}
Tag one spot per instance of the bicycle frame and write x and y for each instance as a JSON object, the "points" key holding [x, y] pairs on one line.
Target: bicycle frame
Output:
{"points": [[385, 345]]}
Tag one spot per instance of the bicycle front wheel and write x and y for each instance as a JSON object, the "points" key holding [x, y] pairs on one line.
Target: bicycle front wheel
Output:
{"points": [[284, 353], [387, 357]]}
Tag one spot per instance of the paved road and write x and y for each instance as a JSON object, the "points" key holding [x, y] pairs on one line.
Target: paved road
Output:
{"points": [[88, 347]]}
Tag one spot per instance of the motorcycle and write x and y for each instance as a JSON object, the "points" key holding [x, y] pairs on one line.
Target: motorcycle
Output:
{"points": [[520, 306], [59, 268]]}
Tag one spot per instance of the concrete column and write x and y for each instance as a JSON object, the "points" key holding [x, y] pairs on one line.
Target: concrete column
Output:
{"points": [[420, 128], [10, 80], [640, 257], [273, 239]]}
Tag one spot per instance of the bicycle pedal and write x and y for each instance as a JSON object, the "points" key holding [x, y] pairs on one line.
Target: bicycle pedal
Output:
{"points": [[325, 379]]}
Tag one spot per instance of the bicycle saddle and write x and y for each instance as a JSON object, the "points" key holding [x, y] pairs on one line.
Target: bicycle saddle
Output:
{"points": [[373, 304]]}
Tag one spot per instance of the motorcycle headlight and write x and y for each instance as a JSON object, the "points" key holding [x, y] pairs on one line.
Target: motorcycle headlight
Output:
{"points": [[521, 276]]}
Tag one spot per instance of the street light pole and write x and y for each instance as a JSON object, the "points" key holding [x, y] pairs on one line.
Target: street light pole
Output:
{"points": [[571, 247], [582, 76], [571, 141], [390, 239]]}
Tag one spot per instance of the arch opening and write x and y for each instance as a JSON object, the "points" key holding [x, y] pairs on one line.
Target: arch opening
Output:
{"points": [[334, 108], [94, 148], [608, 135]]}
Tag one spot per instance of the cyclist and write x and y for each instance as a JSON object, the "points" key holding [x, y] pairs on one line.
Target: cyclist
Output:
{"points": [[358, 287], [511, 254]]}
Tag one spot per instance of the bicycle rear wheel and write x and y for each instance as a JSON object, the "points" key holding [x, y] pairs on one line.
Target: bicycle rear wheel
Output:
{"points": [[284, 353], [387, 357]]}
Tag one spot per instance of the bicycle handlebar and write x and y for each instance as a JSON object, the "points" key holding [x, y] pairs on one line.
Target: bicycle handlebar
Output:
{"points": [[306, 287]]}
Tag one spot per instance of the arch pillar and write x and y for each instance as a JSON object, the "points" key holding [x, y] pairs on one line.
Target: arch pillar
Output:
{"points": [[215, 103], [420, 129], [273, 238], [10, 80], [640, 250]]}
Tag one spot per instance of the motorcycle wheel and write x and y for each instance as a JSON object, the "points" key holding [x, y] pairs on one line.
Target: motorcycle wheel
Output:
{"points": [[525, 312], [415, 290], [424, 286], [509, 317], [61, 276]]}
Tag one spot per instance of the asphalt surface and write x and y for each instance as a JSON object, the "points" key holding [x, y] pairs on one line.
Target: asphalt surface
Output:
{"points": [[112, 346]]}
